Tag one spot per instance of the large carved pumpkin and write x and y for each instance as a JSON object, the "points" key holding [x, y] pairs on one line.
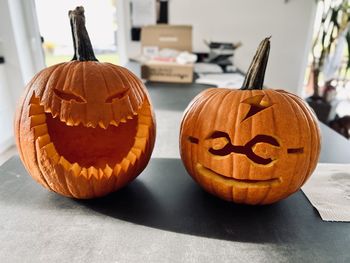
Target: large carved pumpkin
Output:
{"points": [[253, 145], [84, 128]]}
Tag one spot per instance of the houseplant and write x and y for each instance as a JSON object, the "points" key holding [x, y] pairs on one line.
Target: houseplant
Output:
{"points": [[328, 50]]}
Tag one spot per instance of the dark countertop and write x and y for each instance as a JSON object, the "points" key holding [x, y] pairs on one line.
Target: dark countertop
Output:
{"points": [[163, 216]]}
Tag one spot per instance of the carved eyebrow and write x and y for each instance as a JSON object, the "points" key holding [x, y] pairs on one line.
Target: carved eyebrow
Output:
{"points": [[193, 139], [117, 95], [295, 150], [68, 96]]}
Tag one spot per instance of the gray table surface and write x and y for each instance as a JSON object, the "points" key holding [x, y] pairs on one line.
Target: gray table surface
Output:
{"points": [[163, 216]]}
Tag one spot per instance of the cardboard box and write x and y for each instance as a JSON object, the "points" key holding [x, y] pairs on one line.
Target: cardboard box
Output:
{"points": [[167, 36]]}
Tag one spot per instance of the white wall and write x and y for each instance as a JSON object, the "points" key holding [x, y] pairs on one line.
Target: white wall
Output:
{"points": [[20, 45], [290, 25]]}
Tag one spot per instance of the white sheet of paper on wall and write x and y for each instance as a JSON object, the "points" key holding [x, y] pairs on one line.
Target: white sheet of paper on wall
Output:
{"points": [[143, 12]]}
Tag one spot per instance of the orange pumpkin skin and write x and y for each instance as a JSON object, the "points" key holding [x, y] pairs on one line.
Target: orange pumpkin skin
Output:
{"points": [[234, 176], [54, 132], [84, 128]]}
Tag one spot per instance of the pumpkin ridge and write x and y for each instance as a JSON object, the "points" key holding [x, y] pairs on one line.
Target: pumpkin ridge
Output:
{"points": [[136, 83], [312, 129], [225, 94], [135, 101], [212, 97], [310, 161], [292, 111], [275, 127], [39, 92], [108, 91], [236, 125], [311, 117]]}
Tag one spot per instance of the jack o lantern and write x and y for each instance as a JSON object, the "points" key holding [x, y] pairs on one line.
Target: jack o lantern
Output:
{"points": [[253, 145], [84, 128]]}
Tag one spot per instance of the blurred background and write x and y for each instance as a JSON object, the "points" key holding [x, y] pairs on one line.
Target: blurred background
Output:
{"points": [[309, 53]]}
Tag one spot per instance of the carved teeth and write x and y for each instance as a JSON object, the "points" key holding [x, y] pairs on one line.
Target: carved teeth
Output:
{"points": [[144, 119], [76, 169], [89, 124], [35, 109], [142, 131], [108, 171], [117, 169], [92, 171], [38, 113], [66, 164], [102, 125], [43, 140], [137, 152], [34, 99], [70, 122], [140, 143], [37, 120], [114, 123], [125, 164], [84, 172], [131, 157], [40, 130]]}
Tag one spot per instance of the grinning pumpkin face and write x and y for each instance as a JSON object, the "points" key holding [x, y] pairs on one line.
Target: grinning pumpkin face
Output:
{"points": [[85, 128], [249, 146]]}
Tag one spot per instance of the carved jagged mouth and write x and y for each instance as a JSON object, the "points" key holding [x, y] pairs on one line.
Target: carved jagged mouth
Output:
{"points": [[90, 150], [206, 172]]}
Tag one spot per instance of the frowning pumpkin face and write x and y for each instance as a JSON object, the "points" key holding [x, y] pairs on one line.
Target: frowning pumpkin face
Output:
{"points": [[249, 146], [85, 128]]}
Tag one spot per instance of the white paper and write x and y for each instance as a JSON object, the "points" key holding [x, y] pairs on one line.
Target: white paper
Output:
{"points": [[328, 190], [143, 13], [202, 68], [224, 80]]}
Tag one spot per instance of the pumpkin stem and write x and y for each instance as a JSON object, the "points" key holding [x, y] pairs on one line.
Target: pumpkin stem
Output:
{"points": [[83, 50], [255, 76]]}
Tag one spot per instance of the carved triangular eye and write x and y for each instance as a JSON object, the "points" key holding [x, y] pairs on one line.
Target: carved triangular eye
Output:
{"points": [[64, 95], [117, 95]]}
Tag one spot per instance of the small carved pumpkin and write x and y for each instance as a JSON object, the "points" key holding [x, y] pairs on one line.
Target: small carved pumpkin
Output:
{"points": [[253, 145], [84, 128]]}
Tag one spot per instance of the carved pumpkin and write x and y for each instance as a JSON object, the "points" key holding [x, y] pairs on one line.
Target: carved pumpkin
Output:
{"points": [[84, 128], [253, 145]]}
